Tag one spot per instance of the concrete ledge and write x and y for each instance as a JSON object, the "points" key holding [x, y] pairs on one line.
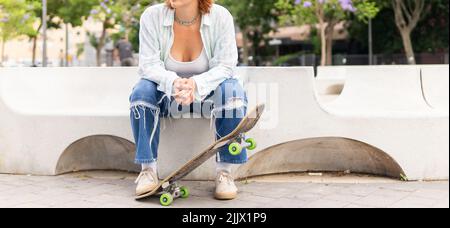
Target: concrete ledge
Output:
{"points": [[56, 120]]}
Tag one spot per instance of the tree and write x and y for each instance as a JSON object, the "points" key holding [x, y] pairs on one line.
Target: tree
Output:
{"points": [[16, 19], [109, 13], [128, 20], [325, 13], [432, 32], [59, 12], [255, 19], [430, 35], [73, 12], [407, 14], [52, 14], [129, 14]]}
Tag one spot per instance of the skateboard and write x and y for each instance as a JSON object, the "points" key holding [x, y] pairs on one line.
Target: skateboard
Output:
{"points": [[168, 189]]}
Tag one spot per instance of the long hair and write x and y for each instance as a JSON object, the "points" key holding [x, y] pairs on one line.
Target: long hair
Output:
{"points": [[203, 5]]}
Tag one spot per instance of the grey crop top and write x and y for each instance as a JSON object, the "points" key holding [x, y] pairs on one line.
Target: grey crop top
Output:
{"points": [[188, 69]]}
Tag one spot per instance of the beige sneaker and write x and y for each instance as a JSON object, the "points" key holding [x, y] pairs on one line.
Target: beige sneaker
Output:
{"points": [[225, 187], [146, 182]]}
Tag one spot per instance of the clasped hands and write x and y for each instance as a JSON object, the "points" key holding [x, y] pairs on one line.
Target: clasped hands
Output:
{"points": [[184, 90]]}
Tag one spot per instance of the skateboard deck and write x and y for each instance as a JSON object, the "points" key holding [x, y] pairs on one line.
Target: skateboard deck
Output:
{"points": [[236, 140]]}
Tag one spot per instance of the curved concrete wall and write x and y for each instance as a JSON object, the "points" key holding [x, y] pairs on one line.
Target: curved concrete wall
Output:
{"points": [[321, 154], [46, 115], [103, 152]]}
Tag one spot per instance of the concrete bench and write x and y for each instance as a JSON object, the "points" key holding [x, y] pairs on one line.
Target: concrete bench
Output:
{"points": [[48, 115], [308, 126], [58, 120], [435, 84], [381, 91], [366, 84]]}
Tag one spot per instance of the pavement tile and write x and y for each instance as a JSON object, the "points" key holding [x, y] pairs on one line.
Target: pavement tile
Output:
{"points": [[414, 202], [116, 190]]}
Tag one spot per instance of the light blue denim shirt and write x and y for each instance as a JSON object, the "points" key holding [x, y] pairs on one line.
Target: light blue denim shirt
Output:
{"points": [[156, 39]]}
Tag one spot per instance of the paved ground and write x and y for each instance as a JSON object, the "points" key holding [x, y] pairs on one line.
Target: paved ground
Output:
{"points": [[113, 189]]}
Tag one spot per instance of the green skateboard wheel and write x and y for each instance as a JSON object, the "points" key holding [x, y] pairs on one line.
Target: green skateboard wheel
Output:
{"points": [[166, 199], [252, 143], [235, 148], [184, 192]]}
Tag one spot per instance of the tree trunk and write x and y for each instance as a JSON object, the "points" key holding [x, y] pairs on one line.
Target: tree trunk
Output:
{"points": [[407, 44], [323, 41], [329, 43], [98, 56], [33, 54], [323, 44], [407, 15]]}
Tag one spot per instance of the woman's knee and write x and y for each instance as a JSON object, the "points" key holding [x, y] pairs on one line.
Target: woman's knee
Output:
{"points": [[230, 100], [231, 89], [145, 91]]}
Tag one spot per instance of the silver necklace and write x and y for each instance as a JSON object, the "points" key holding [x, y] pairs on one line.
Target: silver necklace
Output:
{"points": [[186, 23]]}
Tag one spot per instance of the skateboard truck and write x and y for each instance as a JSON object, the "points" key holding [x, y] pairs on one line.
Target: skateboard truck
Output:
{"points": [[235, 148], [172, 191]]}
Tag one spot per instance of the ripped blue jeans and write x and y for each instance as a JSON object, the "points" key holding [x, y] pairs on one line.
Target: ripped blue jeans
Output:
{"points": [[227, 106]]}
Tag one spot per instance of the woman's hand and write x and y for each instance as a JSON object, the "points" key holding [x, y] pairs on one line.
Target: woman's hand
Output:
{"points": [[184, 90]]}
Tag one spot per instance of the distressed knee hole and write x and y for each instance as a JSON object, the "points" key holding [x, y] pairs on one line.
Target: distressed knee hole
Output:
{"points": [[234, 103]]}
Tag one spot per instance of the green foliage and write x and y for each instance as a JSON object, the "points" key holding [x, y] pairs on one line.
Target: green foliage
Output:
{"points": [[430, 35], [16, 18], [326, 13], [366, 10], [403, 177], [133, 36], [432, 32], [256, 19], [93, 39], [252, 13], [315, 41], [332, 11], [80, 49], [136, 8], [105, 11], [73, 11], [285, 58]]}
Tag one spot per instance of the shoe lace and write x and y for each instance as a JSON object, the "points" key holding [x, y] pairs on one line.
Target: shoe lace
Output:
{"points": [[224, 176], [147, 174]]}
